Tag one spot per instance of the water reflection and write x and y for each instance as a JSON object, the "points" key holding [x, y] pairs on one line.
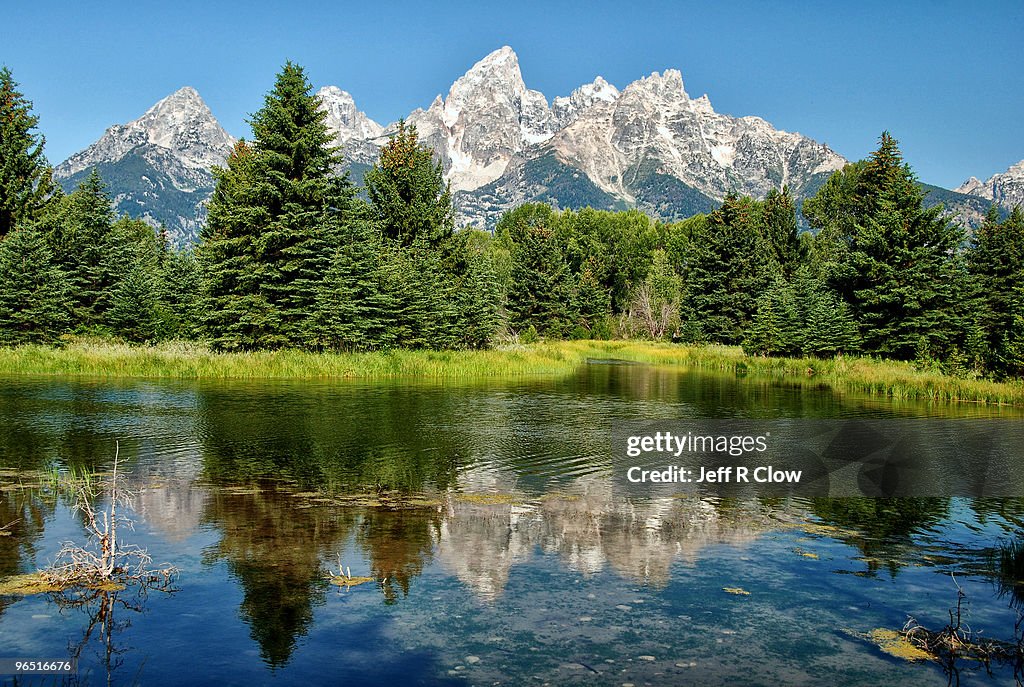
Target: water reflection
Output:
{"points": [[480, 495]]}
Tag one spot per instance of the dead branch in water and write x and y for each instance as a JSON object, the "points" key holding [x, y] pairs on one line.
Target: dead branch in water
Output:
{"points": [[957, 640], [105, 562]]}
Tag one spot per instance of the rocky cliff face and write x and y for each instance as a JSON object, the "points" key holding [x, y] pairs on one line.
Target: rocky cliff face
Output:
{"points": [[1005, 189]]}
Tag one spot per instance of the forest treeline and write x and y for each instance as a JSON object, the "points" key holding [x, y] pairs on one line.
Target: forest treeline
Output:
{"points": [[294, 255]]}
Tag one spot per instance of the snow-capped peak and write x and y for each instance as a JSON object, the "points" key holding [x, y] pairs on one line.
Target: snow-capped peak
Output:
{"points": [[181, 123], [344, 120], [567, 108]]}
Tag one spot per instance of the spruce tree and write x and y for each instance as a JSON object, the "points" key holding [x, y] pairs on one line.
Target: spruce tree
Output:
{"points": [[134, 312], [235, 312], [726, 271], [891, 259], [479, 301], [306, 203], [275, 223], [776, 327], [88, 250], [409, 199], [827, 327], [26, 185], [780, 231], [996, 262], [34, 299], [352, 311], [541, 285], [179, 294]]}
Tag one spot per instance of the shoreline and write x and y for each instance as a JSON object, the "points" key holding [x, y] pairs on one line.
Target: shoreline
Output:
{"points": [[186, 360]]}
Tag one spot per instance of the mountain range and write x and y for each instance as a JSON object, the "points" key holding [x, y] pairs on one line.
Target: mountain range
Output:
{"points": [[650, 145]]}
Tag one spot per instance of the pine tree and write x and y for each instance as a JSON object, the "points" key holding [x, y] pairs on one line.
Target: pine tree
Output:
{"points": [[726, 271], [88, 250], [26, 185], [34, 299], [409, 199], [179, 293], [593, 302], [134, 312]]}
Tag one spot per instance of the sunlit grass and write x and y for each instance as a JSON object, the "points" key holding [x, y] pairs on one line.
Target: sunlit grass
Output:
{"points": [[898, 380]]}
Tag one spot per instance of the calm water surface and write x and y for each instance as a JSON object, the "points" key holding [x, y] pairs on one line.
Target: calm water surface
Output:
{"points": [[493, 521]]}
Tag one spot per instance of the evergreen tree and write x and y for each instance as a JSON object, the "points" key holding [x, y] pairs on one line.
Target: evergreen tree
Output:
{"points": [[409, 199], [826, 326], [726, 271], [34, 302], [541, 285], [306, 203], [179, 294], [235, 312], [593, 302], [26, 185], [134, 306], [88, 250], [780, 231], [352, 310], [996, 262], [275, 223], [479, 301], [894, 261], [776, 327]]}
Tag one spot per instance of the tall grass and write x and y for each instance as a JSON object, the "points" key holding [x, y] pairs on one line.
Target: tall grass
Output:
{"points": [[890, 379]]}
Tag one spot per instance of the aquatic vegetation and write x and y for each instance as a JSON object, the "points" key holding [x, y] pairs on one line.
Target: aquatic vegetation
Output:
{"points": [[344, 578], [897, 645], [958, 641]]}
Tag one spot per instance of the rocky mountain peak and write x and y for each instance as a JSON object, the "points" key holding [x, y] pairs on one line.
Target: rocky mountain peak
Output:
{"points": [[344, 119], [1005, 189], [566, 109], [181, 123], [667, 85]]}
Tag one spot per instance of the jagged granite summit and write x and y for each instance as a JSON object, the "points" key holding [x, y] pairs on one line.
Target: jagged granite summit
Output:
{"points": [[1005, 189], [158, 167]]}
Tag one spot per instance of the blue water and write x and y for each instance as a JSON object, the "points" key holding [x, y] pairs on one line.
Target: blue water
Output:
{"points": [[502, 549]]}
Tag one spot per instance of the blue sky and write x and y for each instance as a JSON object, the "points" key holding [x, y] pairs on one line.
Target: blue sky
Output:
{"points": [[947, 78]]}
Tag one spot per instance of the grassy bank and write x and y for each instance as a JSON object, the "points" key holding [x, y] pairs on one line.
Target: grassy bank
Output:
{"points": [[191, 361]]}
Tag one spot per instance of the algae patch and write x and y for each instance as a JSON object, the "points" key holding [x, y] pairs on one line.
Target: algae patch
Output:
{"points": [[343, 581], [38, 583], [893, 643], [27, 585]]}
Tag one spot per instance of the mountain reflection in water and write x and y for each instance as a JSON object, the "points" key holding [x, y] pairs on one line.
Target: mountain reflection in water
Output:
{"points": [[490, 518]]}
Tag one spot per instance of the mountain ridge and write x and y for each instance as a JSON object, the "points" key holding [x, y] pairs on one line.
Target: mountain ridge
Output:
{"points": [[649, 145]]}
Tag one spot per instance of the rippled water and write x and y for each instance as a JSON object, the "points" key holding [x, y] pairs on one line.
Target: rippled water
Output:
{"points": [[491, 516]]}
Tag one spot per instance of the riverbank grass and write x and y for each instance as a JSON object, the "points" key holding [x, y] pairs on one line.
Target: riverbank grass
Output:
{"points": [[891, 379]]}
